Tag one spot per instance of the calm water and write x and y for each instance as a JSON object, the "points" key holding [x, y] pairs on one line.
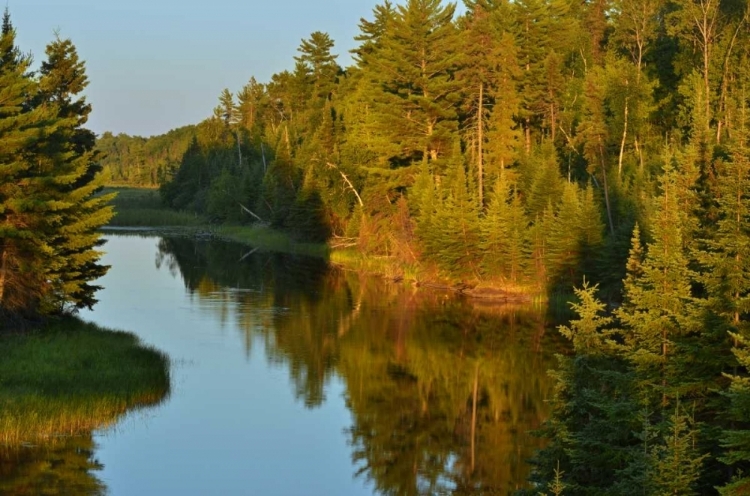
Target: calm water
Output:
{"points": [[293, 379]]}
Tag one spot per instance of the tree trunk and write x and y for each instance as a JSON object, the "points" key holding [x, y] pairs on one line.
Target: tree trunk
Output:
{"points": [[624, 137], [527, 133], [480, 139]]}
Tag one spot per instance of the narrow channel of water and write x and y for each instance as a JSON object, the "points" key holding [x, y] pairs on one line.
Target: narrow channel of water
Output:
{"points": [[290, 378]]}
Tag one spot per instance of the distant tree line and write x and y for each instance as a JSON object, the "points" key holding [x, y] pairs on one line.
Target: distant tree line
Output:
{"points": [[137, 161], [49, 211]]}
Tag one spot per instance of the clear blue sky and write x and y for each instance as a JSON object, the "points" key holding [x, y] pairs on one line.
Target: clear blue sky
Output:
{"points": [[154, 65]]}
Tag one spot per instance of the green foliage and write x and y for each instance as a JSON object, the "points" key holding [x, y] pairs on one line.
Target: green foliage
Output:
{"points": [[504, 233], [49, 212]]}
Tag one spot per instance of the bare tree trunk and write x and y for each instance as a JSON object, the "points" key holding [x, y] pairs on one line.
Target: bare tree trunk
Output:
{"points": [[286, 138], [624, 137], [480, 139]]}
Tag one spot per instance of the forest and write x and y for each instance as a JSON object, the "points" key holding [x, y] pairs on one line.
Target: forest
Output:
{"points": [[535, 146]]}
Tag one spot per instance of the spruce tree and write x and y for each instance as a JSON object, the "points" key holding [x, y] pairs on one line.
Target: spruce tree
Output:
{"points": [[504, 232], [658, 306]]}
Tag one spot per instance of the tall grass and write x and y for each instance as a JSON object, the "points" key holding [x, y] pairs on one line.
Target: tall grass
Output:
{"points": [[72, 377]]}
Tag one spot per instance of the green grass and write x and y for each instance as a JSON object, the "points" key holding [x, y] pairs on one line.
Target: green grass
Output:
{"points": [[269, 239], [149, 217], [72, 377], [141, 207]]}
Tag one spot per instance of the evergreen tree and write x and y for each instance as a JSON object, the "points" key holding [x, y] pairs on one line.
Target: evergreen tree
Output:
{"points": [[504, 231], [49, 215], [24, 205], [413, 67], [79, 211]]}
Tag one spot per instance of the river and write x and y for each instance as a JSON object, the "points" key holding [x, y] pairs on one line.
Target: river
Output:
{"points": [[293, 378]]}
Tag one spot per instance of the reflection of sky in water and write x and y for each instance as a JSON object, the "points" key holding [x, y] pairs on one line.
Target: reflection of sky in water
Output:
{"points": [[232, 424]]}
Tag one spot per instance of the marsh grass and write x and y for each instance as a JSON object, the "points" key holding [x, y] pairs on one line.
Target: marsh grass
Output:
{"points": [[72, 377], [141, 207]]}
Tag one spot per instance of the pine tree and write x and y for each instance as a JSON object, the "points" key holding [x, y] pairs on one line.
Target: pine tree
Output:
{"points": [[316, 56], [413, 67], [489, 70], [726, 276]]}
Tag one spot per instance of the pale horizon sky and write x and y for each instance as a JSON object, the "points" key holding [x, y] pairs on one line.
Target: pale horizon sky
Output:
{"points": [[155, 65]]}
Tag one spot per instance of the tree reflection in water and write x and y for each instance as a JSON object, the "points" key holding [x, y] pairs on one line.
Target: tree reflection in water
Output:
{"points": [[65, 467], [443, 393]]}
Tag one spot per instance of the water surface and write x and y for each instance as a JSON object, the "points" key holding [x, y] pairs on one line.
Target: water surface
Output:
{"points": [[293, 378]]}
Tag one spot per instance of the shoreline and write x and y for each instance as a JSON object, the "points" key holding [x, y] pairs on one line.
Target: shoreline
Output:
{"points": [[267, 239]]}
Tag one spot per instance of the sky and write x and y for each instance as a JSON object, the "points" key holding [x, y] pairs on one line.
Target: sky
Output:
{"points": [[155, 65]]}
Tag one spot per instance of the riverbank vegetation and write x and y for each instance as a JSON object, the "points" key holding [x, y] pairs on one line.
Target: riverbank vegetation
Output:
{"points": [[535, 145], [68, 378]]}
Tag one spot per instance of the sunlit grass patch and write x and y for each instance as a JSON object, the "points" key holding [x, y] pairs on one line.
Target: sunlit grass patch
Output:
{"points": [[72, 377], [268, 239]]}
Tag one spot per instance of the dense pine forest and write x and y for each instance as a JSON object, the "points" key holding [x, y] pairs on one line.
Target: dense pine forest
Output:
{"points": [[50, 212], [534, 145]]}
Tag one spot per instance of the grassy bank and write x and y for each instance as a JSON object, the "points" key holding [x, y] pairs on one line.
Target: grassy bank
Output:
{"points": [[141, 207], [72, 377], [267, 239]]}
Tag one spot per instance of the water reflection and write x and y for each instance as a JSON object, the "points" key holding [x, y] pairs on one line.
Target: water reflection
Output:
{"points": [[66, 467], [442, 393]]}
